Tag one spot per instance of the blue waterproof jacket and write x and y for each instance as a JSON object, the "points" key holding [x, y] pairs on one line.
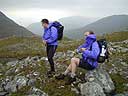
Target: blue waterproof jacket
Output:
{"points": [[50, 35], [90, 55]]}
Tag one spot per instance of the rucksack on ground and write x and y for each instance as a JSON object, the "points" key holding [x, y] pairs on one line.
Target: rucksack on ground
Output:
{"points": [[60, 29]]}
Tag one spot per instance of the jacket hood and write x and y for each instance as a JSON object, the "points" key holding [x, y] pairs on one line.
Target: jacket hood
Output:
{"points": [[92, 37]]}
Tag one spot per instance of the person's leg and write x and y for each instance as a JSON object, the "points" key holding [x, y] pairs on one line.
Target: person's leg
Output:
{"points": [[51, 52], [74, 64], [68, 69], [48, 56], [63, 75], [72, 67]]}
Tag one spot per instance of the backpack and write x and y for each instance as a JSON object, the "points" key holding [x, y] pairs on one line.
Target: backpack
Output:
{"points": [[60, 29], [103, 54]]}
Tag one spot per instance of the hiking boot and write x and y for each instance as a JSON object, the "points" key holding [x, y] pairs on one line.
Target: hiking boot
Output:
{"points": [[60, 77], [70, 80], [50, 73]]}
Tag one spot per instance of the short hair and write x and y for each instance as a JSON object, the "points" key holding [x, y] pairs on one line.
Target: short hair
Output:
{"points": [[45, 21], [90, 31]]}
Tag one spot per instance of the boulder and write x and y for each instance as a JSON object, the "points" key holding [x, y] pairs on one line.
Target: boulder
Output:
{"points": [[101, 77], [91, 89], [31, 82], [11, 87], [17, 83], [4, 93], [12, 63], [20, 81], [70, 53]]}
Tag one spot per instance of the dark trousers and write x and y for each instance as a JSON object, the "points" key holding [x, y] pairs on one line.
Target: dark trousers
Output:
{"points": [[51, 49]]}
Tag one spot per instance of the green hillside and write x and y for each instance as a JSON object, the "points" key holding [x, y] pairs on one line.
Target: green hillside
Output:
{"points": [[9, 28], [23, 47]]}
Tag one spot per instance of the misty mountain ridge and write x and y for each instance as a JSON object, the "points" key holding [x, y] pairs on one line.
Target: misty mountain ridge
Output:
{"points": [[70, 23], [74, 26], [9, 28], [102, 26], [75, 22], [36, 28]]}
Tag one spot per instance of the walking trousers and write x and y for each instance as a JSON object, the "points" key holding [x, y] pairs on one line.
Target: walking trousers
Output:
{"points": [[51, 49]]}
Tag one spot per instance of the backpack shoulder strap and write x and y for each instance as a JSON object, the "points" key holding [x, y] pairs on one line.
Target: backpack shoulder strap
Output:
{"points": [[92, 44], [50, 30], [51, 27]]}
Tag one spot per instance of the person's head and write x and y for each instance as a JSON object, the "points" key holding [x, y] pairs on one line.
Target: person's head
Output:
{"points": [[45, 23], [88, 33]]}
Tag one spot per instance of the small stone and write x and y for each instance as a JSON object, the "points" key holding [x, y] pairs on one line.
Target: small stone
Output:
{"points": [[75, 90], [61, 87], [35, 91]]}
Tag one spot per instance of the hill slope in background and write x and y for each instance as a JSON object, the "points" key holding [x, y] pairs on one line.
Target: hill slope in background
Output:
{"points": [[75, 22], [10, 28], [106, 25], [70, 23], [36, 28]]}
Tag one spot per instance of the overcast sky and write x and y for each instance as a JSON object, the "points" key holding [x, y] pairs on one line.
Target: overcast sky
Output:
{"points": [[26, 12]]}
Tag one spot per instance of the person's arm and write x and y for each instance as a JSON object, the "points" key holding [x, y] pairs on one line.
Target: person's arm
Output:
{"points": [[53, 36], [81, 46], [93, 53], [43, 36]]}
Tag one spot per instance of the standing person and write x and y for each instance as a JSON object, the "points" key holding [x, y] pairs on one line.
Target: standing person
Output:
{"points": [[90, 51], [50, 37]]}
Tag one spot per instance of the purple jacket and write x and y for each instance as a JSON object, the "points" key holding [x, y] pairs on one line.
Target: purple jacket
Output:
{"points": [[50, 35], [90, 55]]}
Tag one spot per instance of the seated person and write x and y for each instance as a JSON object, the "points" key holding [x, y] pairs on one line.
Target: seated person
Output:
{"points": [[90, 51]]}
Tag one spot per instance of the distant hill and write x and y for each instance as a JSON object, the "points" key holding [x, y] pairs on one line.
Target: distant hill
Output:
{"points": [[70, 23], [10, 28], [36, 28], [75, 22], [108, 24]]}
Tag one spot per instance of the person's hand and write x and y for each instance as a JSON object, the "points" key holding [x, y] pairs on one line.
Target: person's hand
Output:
{"points": [[76, 51], [82, 49], [44, 42]]}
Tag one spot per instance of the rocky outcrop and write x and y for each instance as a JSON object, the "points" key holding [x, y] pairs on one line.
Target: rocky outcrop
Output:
{"points": [[97, 79], [98, 82], [118, 47], [20, 74], [30, 72], [91, 89], [101, 77]]}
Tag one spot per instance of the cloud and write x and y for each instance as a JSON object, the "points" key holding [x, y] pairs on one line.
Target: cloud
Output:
{"points": [[63, 4], [62, 8]]}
